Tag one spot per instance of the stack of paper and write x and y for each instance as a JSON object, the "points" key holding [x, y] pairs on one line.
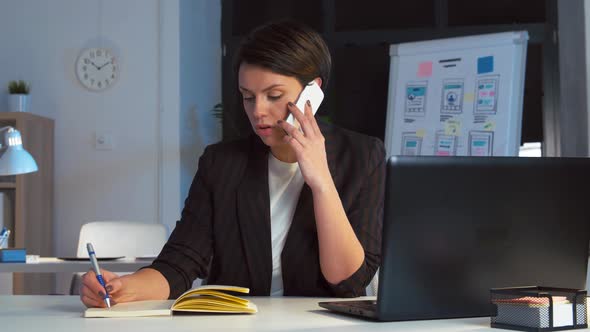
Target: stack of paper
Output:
{"points": [[534, 311]]}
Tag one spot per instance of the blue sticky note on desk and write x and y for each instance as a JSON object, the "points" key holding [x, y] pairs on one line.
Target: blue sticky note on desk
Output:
{"points": [[485, 65], [13, 255]]}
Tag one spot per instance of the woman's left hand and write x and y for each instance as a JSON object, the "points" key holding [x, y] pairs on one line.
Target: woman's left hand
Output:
{"points": [[309, 147]]}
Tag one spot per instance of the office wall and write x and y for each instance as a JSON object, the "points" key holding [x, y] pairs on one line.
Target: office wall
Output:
{"points": [[572, 116], [200, 82], [587, 50], [145, 112]]}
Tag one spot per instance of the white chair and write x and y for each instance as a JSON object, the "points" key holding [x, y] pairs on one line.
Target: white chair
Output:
{"points": [[373, 285], [119, 238]]}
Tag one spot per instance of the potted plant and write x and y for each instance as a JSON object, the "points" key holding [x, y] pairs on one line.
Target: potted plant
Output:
{"points": [[217, 111], [19, 98], [213, 129]]}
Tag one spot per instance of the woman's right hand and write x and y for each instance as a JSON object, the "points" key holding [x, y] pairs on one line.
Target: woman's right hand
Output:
{"points": [[92, 292], [127, 288]]}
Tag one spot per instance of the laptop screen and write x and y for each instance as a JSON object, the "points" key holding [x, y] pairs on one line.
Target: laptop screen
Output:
{"points": [[455, 227]]}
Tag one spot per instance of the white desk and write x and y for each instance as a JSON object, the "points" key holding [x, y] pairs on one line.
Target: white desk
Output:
{"points": [[54, 265], [64, 313]]}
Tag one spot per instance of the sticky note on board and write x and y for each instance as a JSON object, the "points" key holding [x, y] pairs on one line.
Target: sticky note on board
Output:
{"points": [[489, 126], [420, 132], [485, 65], [468, 97], [424, 69], [453, 127]]}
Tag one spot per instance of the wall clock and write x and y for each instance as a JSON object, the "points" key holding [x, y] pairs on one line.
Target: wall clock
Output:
{"points": [[97, 68]]}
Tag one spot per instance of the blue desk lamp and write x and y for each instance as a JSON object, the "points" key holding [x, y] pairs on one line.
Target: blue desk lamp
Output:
{"points": [[14, 159]]}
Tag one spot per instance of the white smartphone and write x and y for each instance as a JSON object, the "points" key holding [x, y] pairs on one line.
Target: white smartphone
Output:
{"points": [[311, 92]]}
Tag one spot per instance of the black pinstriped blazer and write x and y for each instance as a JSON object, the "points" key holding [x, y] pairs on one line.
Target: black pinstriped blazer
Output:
{"points": [[226, 217]]}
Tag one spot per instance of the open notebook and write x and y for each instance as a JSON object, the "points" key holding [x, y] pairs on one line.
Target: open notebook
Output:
{"points": [[210, 298]]}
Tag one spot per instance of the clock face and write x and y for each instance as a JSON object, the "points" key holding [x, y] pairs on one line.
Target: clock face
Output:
{"points": [[97, 68]]}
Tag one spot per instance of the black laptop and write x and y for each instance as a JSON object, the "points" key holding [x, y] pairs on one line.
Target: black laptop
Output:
{"points": [[455, 227]]}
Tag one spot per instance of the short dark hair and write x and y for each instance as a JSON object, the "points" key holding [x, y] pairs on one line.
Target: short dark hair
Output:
{"points": [[288, 48]]}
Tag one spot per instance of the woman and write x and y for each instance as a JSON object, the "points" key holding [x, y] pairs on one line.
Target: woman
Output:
{"points": [[286, 211]]}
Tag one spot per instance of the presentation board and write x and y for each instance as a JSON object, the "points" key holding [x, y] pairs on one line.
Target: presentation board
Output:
{"points": [[457, 96]]}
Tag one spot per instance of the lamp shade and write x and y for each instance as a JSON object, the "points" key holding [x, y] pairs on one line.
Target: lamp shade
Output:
{"points": [[14, 159]]}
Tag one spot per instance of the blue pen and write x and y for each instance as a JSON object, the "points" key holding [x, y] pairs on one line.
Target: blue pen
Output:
{"points": [[4, 237], [94, 262]]}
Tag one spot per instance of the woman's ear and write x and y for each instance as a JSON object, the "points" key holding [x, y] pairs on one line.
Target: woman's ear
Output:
{"points": [[318, 81]]}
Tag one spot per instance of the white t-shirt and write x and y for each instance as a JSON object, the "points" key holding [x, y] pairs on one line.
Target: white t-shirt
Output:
{"points": [[284, 183]]}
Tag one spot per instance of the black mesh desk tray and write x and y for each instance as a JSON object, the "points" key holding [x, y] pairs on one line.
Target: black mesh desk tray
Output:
{"points": [[539, 308]]}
